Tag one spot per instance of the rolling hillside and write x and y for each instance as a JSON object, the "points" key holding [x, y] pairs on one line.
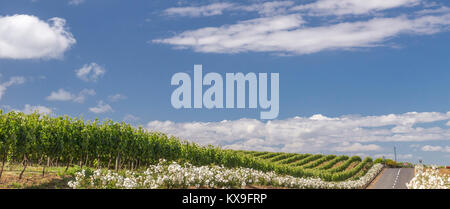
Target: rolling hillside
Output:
{"points": [[33, 139]]}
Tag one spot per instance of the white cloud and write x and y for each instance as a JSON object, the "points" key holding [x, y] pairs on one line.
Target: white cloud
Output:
{"points": [[448, 123], [268, 8], [193, 11], [12, 81], [40, 109], [430, 148], [29, 109], [271, 8], [76, 2], [283, 28], [63, 95], [392, 156], [131, 118], [243, 36], [265, 9], [90, 72], [356, 7], [357, 147], [116, 97], [288, 34], [101, 108], [313, 134], [440, 10], [6, 107], [28, 37], [83, 94], [60, 95]]}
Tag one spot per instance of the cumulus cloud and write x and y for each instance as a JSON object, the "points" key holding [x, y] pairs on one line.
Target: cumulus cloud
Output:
{"points": [[29, 109], [12, 81], [392, 156], [101, 108], [63, 95], [430, 148], [60, 95], [356, 7], [40, 109], [116, 97], [311, 134], [357, 147], [28, 37], [131, 118], [90, 72], [288, 33]]}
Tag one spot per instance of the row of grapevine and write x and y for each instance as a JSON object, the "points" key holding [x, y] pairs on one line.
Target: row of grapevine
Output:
{"points": [[340, 176], [281, 157], [333, 162], [64, 141], [258, 154], [269, 155], [345, 164], [306, 160], [363, 171], [293, 159], [319, 161], [327, 167]]}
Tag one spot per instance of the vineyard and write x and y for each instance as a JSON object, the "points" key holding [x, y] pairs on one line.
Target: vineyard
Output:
{"points": [[34, 139], [327, 167]]}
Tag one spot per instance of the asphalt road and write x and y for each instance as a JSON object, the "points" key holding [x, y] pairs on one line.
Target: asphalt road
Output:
{"points": [[394, 178]]}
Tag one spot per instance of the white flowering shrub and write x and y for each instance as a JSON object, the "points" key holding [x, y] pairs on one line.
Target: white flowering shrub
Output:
{"points": [[173, 175], [428, 179]]}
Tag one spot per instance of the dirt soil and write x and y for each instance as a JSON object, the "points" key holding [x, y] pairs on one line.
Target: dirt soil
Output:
{"points": [[352, 165], [338, 164], [32, 180], [444, 171]]}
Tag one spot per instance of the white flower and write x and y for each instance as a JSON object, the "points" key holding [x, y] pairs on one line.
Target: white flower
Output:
{"points": [[428, 179], [173, 175]]}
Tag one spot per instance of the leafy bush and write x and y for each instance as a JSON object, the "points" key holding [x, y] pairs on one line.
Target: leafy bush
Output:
{"points": [[378, 160], [391, 164]]}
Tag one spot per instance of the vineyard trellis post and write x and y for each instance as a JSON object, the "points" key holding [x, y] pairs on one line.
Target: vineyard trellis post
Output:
{"points": [[187, 149]]}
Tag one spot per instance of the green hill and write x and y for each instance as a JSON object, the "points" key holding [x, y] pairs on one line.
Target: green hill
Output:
{"points": [[64, 141]]}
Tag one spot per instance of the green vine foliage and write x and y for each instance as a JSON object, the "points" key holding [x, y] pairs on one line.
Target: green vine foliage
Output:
{"points": [[67, 141]]}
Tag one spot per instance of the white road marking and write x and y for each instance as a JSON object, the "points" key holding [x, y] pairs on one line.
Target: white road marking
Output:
{"points": [[396, 178]]}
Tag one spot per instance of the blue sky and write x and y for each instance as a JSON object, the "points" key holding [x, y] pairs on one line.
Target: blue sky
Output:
{"points": [[354, 78]]}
